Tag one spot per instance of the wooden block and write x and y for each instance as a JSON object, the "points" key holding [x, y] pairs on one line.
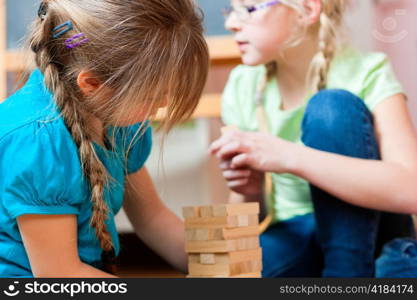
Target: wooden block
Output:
{"points": [[191, 212], [247, 243], [197, 234], [204, 234], [225, 269], [240, 256], [211, 222], [206, 211], [240, 232], [221, 222], [208, 234], [222, 210], [226, 258], [243, 221], [222, 246], [247, 275], [207, 259]]}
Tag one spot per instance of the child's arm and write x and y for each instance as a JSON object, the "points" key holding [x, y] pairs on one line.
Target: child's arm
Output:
{"points": [[153, 222], [388, 185], [51, 244]]}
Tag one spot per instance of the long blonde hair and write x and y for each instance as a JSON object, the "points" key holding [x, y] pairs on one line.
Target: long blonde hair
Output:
{"points": [[140, 50], [329, 32]]}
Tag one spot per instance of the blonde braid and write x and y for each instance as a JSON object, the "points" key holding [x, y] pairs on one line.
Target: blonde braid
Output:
{"points": [[75, 119], [271, 70], [330, 21]]}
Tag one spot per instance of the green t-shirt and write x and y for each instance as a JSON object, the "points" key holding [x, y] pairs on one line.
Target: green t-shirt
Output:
{"points": [[368, 76]]}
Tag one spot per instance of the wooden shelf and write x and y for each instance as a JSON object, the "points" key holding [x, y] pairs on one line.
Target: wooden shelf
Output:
{"points": [[15, 61], [223, 51], [209, 107]]}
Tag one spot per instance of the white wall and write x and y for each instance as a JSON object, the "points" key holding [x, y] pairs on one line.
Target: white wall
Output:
{"points": [[396, 34], [359, 22]]}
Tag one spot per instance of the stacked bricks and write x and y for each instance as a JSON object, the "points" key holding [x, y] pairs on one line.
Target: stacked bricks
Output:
{"points": [[223, 241]]}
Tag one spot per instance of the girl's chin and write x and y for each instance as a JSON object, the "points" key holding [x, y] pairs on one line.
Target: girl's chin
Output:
{"points": [[252, 61]]}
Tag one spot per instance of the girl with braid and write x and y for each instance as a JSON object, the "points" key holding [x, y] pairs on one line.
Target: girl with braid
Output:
{"points": [[75, 137], [336, 140]]}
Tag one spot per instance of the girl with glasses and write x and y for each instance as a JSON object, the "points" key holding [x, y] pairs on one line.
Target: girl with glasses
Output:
{"points": [[337, 143]]}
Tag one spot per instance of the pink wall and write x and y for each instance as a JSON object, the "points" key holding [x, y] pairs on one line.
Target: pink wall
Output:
{"points": [[395, 33]]}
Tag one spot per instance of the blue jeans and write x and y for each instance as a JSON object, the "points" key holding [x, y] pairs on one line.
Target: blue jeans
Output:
{"points": [[398, 259], [339, 239]]}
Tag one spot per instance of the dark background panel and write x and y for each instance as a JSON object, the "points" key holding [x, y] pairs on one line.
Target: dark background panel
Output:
{"points": [[214, 20], [20, 14]]}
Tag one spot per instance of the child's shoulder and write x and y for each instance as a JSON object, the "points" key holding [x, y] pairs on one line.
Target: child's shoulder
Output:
{"points": [[368, 75], [38, 144], [31, 105], [355, 61], [34, 136], [37, 130], [41, 172], [40, 168]]}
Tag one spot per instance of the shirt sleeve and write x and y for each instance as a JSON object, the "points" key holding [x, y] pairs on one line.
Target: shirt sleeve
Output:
{"points": [[139, 148], [41, 172], [380, 82]]}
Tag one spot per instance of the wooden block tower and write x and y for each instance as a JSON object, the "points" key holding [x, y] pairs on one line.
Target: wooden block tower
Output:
{"points": [[223, 241]]}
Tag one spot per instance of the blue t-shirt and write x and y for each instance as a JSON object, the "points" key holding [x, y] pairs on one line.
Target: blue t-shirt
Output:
{"points": [[40, 173]]}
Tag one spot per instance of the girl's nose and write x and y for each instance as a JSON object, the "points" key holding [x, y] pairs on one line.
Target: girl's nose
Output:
{"points": [[233, 23]]}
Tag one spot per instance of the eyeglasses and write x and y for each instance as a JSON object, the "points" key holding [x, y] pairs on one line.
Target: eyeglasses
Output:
{"points": [[243, 12]]}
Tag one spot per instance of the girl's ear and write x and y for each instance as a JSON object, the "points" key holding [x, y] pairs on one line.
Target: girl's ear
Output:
{"points": [[312, 10], [88, 83]]}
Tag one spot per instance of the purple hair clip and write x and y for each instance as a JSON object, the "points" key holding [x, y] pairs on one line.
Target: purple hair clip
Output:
{"points": [[76, 41]]}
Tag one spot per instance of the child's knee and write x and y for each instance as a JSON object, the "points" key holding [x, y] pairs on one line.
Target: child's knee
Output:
{"points": [[329, 109], [340, 122]]}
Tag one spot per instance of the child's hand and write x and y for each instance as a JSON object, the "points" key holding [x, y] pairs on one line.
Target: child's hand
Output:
{"points": [[253, 150], [242, 181]]}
